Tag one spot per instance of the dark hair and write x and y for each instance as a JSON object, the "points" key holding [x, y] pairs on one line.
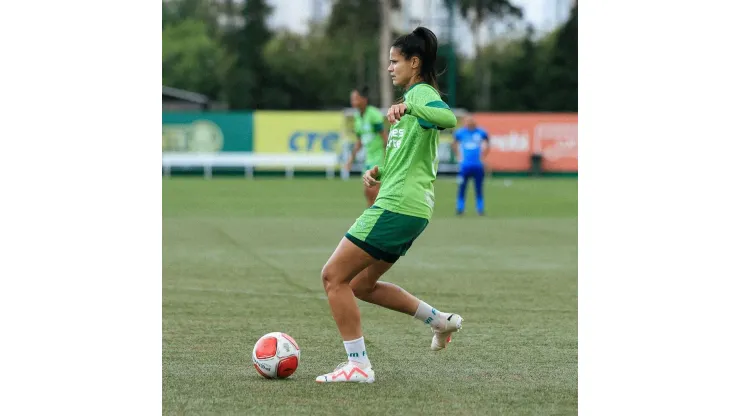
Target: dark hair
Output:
{"points": [[422, 43], [364, 91]]}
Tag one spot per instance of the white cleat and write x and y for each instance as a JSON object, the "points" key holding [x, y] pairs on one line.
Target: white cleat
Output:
{"points": [[443, 333], [348, 373]]}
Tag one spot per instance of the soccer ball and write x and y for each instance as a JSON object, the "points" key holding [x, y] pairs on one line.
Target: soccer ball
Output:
{"points": [[276, 355]]}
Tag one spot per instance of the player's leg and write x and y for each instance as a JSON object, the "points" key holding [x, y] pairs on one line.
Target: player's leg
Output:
{"points": [[479, 175], [352, 255], [394, 234], [368, 288], [462, 186], [346, 262]]}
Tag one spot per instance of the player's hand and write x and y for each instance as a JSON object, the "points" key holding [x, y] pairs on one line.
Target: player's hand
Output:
{"points": [[348, 166], [369, 178], [396, 112]]}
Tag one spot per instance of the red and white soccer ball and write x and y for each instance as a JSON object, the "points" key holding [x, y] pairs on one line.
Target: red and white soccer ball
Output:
{"points": [[276, 355]]}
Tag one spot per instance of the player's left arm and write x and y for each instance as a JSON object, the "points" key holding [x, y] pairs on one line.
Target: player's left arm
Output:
{"points": [[430, 108], [486, 143]]}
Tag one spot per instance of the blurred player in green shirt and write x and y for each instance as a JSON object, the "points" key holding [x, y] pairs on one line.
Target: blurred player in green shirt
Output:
{"points": [[402, 210], [371, 134]]}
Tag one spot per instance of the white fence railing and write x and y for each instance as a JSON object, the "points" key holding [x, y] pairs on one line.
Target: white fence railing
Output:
{"points": [[249, 161]]}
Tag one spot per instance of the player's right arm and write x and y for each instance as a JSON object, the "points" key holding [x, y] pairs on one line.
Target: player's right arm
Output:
{"points": [[371, 178]]}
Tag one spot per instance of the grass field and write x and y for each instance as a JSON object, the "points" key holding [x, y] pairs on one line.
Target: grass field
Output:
{"points": [[242, 258]]}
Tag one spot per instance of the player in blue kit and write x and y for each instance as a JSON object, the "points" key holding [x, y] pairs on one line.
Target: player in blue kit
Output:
{"points": [[470, 146]]}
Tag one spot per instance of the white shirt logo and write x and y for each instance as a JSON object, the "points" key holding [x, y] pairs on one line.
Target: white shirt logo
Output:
{"points": [[394, 138]]}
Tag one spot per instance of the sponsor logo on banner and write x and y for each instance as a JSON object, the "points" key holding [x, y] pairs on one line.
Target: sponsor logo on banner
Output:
{"points": [[510, 142], [297, 131], [206, 132], [515, 137], [558, 145], [201, 136], [309, 141]]}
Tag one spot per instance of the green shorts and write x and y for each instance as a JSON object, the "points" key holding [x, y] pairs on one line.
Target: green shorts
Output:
{"points": [[385, 235]]}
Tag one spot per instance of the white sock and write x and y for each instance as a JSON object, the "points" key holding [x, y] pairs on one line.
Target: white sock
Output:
{"points": [[427, 314], [356, 351]]}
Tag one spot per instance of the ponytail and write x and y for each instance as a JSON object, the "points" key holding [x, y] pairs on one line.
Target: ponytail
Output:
{"points": [[429, 55], [422, 43]]}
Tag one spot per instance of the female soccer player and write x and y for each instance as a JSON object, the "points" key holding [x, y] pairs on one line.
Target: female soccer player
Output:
{"points": [[385, 231], [371, 134]]}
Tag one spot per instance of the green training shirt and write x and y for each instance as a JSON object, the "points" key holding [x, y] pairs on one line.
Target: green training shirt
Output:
{"points": [[410, 166], [368, 127]]}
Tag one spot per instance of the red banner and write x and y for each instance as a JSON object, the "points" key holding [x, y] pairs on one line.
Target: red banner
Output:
{"points": [[514, 138]]}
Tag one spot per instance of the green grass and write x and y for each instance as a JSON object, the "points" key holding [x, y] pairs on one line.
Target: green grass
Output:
{"points": [[242, 258]]}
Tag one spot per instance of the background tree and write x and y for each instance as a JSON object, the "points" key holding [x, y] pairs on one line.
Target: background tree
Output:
{"points": [[192, 59], [477, 12], [249, 74], [224, 49]]}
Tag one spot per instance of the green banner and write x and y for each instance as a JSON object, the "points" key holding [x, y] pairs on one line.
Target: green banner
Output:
{"points": [[207, 132]]}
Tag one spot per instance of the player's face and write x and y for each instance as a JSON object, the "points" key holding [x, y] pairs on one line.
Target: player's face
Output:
{"points": [[401, 69], [470, 123], [357, 101]]}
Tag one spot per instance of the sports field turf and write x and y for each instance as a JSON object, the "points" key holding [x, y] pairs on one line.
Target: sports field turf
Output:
{"points": [[242, 258]]}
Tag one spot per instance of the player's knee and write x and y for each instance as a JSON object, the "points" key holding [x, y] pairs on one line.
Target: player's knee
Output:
{"points": [[328, 277], [361, 290], [332, 277]]}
